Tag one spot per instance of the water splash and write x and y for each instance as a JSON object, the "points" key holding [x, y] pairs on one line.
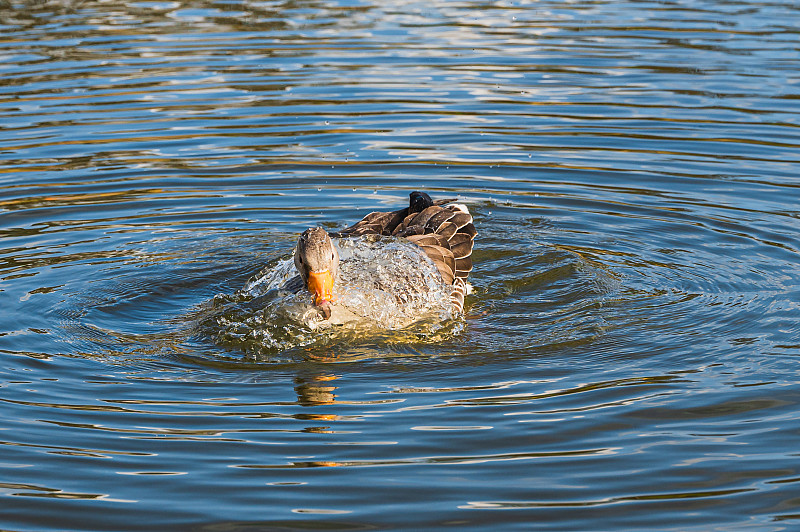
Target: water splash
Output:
{"points": [[390, 281], [387, 290]]}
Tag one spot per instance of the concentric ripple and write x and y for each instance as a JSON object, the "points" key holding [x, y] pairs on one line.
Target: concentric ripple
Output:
{"points": [[628, 357]]}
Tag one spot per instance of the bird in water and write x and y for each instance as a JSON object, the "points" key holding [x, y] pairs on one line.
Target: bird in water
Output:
{"points": [[443, 230]]}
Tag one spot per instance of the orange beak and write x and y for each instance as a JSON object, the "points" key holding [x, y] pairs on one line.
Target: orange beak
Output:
{"points": [[321, 285]]}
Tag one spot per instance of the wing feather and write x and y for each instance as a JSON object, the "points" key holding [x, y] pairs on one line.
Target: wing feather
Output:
{"points": [[375, 223]]}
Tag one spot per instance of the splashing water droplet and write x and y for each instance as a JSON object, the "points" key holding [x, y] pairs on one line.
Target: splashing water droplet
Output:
{"points": [[385, 286]]}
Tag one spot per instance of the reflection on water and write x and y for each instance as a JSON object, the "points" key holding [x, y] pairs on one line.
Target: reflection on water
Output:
{"points": [[627, 356], [316, 390]]}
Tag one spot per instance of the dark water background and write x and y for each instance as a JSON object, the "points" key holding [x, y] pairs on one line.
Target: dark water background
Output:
{"points": [[629, 358]]}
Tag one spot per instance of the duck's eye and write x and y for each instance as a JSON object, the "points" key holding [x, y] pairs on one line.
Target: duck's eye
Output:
{"points": [[333, 256]]}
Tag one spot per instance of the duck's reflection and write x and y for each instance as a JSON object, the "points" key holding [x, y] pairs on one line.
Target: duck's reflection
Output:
{"points": [[315, 390]]}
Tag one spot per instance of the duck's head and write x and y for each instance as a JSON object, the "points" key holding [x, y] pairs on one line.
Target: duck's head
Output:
{"points": [[317, 261]]}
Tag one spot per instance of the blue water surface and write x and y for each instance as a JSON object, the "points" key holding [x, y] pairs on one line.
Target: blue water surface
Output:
{"points": [[628, 359]]}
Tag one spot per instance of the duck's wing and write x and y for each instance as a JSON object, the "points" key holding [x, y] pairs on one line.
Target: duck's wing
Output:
{"points": [[386, 223], [446, 234], [375, 223]]}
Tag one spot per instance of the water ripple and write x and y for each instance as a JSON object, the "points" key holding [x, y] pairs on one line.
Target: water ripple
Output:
{"points": [[628, 356]]}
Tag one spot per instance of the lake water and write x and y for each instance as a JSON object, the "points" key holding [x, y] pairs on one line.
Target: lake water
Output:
{"points": [[629, 357]]}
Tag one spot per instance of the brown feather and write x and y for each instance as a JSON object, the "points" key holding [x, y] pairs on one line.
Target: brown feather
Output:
{"points": [[431, 239], [438, 219], [444, 232], [457, 295], [468, 229], [461, 219], [377, 223], [411, 231], [461, 245], [420, 218], [447, 230], [444, 261], [463, 266]]}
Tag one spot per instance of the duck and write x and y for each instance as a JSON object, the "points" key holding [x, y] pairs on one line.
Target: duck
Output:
{"points": [[443, 230]]}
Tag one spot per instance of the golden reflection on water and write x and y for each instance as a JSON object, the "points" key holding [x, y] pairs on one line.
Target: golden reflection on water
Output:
{"points": [[316, 390]]}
